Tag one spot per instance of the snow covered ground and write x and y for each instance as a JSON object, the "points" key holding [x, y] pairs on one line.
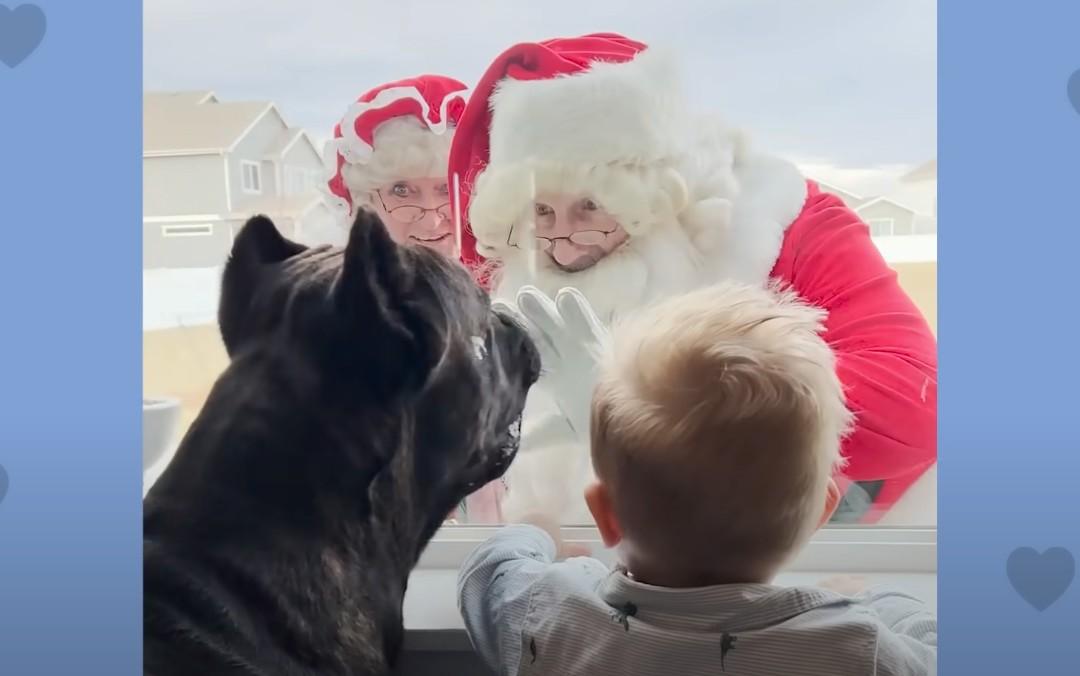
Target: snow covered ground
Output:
{"points": [[180, 297]]}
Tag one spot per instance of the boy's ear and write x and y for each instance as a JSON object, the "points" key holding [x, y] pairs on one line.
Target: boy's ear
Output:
{"points": [[258, 246], [832, 501], [600, 505]]}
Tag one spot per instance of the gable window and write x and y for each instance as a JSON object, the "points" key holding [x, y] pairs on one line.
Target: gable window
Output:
{"points": [[881, 227], [251, 176]]}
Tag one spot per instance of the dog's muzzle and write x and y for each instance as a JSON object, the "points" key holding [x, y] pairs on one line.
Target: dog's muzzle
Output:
{"points": [[510, 447]]}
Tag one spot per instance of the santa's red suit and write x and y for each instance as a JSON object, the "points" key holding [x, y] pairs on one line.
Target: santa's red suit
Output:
{"points": [[604, 116]]}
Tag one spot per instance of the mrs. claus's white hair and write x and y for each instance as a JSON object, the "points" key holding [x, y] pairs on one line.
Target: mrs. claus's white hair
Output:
{"points": [[404, 148]]}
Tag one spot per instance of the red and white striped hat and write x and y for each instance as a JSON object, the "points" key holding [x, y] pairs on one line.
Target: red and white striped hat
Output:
{"points": [[434, 101]]}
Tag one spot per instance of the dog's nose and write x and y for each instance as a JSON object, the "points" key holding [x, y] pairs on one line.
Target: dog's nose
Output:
{"points": [[527, 348], [531, 354], [534, 364]]}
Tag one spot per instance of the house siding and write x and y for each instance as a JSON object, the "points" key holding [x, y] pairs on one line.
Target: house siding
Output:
{"points": [[903, 219], [181, 185], [203, 251], [253, 148], [302, 156], [200, 251]]}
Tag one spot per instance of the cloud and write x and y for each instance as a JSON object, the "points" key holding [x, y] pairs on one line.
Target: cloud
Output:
{"points": [[848, 81]]}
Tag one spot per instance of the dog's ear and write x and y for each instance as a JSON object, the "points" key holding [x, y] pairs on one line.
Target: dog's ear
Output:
{"points": [[256, 247], [375, 297]]}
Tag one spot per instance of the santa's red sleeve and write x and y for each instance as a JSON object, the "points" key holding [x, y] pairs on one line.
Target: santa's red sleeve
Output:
{"points": [[886, 352]]}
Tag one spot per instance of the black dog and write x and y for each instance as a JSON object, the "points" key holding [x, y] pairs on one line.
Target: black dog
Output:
{"points": [[369, 390]]}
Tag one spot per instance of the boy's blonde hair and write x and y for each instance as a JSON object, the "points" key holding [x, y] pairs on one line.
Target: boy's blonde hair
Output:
{"points": [[716, 424]]}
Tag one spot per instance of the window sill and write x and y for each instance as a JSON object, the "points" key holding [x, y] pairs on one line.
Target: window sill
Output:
{"points": [[901, 557], [433, 623], [853, 549]]}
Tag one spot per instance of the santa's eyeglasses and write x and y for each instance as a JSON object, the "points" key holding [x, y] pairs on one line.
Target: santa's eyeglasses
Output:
{"points": [[407, 214], [580, 237]]}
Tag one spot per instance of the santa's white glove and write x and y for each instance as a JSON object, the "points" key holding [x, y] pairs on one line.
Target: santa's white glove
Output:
{"points": [[570, 338]]}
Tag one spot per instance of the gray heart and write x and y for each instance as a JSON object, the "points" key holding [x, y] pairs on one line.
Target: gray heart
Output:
{"points": [[1073, 88], [21, 31], [1041, 579], [3, 483]]}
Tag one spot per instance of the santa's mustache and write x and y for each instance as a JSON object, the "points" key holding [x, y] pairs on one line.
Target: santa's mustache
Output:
{"points": [[584, 257]]}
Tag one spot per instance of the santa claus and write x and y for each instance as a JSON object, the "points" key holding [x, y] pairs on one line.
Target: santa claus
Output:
{"points": [[577, 163]]}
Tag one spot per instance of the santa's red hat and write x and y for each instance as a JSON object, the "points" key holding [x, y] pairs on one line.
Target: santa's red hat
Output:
{"points": [[424, 109], [558, 113]]}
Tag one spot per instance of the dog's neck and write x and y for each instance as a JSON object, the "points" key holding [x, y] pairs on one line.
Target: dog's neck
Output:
{"points": [[353, 520]]}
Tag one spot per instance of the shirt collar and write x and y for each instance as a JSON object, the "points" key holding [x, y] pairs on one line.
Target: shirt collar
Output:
{"points": [[729, 607]]}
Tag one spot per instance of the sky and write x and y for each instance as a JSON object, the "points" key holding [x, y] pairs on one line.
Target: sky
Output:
{"points": [[846, 88]]}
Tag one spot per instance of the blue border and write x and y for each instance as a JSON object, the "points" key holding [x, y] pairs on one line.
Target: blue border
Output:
{"points": [[70, 564], [70, 385], [1009, 214]]}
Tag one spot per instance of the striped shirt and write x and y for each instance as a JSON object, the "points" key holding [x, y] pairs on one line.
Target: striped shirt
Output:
{"points": [[527, 614]]}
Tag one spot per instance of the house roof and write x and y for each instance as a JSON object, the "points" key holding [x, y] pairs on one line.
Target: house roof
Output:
{"points": [[920, 196], [853, 200], [915, 191], [286, 141], [927, 171], [884, 200], [281, 207], [189, 96], [181, 123]]}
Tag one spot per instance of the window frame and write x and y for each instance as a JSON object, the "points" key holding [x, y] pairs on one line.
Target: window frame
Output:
{"points": [[174, 230], [892, 226], [244, 184], [837, 549]]}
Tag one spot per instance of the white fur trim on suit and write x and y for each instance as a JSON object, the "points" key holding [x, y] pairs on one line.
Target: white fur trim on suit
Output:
{"points": [[614, 132], [614, 112]]}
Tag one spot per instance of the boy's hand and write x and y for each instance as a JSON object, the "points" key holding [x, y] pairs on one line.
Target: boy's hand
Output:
{"points": [[848, 585], [569, 336], [549, 525]]}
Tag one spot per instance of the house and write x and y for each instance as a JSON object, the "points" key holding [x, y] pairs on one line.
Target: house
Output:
{"points": [[909, 207], [850, 198], [888, 217], [903, 224], [209, 165]]}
